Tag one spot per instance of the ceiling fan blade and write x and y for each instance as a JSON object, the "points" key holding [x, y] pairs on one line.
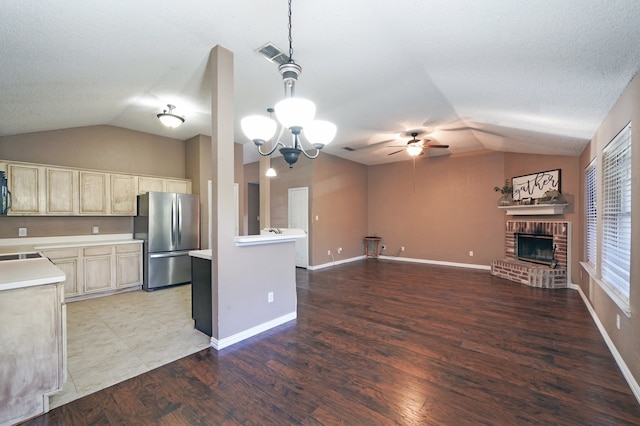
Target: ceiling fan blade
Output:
{"points": [[395, 152], [435, 146]]}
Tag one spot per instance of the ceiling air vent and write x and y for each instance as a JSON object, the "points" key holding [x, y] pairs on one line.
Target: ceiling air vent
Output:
{"points": [[272, 54]]}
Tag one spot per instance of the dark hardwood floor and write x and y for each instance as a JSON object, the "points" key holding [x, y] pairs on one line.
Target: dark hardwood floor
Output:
{"points": [[380, 342]]}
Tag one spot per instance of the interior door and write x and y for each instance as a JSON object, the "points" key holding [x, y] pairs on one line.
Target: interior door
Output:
{"points": [[299, 218]]}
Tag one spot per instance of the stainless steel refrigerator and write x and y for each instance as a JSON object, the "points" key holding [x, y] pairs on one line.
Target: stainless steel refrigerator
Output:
{"points": [[169, 224]]}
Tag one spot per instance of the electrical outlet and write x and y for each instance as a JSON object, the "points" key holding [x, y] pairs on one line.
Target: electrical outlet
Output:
{"points": [[22, 232], [95, 229], [328, 252], [270, 297], [618, 321], [470, 252], [402, 248], [339, 250]]}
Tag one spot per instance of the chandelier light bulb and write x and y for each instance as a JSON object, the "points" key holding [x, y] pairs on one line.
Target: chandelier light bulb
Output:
{"points": [[258, 127], [320, 132], [295, 112]]}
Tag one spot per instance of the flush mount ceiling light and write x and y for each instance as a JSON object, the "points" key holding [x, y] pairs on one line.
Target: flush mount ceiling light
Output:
{"points": [[294, 114], [169, 119]]}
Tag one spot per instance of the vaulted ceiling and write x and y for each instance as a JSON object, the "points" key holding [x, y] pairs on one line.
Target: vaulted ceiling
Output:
{"points": [[530, 77]]}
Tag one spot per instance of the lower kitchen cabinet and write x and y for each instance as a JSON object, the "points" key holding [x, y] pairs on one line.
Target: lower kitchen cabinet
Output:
{"points": [[99, 270], [67, 260], [128, 265]]}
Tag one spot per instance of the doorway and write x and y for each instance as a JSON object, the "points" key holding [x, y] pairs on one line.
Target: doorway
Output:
{"points": [[299, 218]]}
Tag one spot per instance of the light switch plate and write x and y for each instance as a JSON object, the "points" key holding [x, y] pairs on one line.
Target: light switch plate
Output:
{"points": [[22, 232]]}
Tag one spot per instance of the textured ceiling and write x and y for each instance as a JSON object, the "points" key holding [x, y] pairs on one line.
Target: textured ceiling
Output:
{"points": [[531, 77]]}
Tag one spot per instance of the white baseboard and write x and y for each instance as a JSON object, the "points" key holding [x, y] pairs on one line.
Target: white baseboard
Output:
{"points": [[337, 262], [633, 384], [437, 262], [238, 337], [404, 259]]}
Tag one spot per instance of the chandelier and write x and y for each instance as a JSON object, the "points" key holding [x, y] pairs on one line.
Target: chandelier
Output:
{"points": [[293, 113]]}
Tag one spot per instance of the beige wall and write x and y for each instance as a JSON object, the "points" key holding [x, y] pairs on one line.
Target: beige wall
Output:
{"points": [[339, 196], [627, 338], [100, 147], [441, 209]]}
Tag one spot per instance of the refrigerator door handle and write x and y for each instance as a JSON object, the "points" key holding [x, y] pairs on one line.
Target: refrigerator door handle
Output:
{"points": [[173, 223], [169, 254], [179, 221]]}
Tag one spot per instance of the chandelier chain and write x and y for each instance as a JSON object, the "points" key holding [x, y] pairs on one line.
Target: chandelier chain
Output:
{"points": [[290, 37]]}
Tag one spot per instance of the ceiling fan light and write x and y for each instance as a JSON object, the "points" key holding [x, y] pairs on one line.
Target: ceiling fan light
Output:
{"points": [[414, 150], [295, 112], [258, 127], [320, 132]]}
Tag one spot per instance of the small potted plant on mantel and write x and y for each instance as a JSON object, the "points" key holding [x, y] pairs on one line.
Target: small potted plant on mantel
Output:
{"points": [[507, 193]]}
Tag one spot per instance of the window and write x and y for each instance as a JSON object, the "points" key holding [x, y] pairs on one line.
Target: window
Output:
{"points": [[591, 209], [616, 213]]}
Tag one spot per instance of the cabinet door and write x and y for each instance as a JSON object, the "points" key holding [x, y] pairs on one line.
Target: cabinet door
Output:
{"points": [[70, 269], [25, 183], [179, 186], [62, 190], [97, 269], [123, 195], [128, 265], [149, 184], [67, 260], [93, 193]]}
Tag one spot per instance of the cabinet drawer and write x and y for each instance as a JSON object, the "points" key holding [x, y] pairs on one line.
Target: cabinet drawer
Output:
{"points": [[61, 254], [97, 251], [128, 248]]}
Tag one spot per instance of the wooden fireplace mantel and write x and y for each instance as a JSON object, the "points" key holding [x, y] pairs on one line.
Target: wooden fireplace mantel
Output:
{"points": [[534, 209]]}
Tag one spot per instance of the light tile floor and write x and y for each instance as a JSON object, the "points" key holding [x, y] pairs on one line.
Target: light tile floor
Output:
{"points": [[114, 338]]}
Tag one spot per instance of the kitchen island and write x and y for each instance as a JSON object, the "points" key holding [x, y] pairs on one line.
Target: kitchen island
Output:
{"points": [[32, 337]]}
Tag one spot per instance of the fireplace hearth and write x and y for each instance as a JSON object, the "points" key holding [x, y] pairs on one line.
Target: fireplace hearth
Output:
{"points": [[545, 247]]}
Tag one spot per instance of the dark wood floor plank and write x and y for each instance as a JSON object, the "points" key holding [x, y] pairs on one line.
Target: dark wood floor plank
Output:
{"points": [[379, 342]]}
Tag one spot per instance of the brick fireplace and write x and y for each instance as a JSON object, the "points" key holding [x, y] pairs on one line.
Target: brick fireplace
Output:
{"points": [[529, 273]]}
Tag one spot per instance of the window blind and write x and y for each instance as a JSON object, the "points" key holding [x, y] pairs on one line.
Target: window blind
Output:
{"points": [[616, 213], [591, 219]]}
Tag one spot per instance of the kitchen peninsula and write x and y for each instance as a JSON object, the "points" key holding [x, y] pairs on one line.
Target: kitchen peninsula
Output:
{"points": [[260, 295], [32, 337]]}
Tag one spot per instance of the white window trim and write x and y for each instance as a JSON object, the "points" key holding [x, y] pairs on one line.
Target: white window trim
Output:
{"points": [[622, 303]]}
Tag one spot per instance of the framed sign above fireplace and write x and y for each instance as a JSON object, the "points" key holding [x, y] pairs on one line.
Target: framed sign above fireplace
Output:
{"points": [[534, 186]]}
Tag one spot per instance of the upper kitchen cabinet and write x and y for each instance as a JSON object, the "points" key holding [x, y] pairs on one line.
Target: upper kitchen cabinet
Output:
{"points": [[62, 191], [39, 189], [180, 186], [26, 183], [94, 187], [123, 195], [150, 184]]}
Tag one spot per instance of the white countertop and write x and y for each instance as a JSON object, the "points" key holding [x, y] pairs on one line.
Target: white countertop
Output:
{"points": [[202, 254], [28, 244], [252, 240], [28, 272]]}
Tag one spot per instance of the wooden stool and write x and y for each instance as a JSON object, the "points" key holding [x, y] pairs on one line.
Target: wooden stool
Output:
{"points": [[372, 247]]}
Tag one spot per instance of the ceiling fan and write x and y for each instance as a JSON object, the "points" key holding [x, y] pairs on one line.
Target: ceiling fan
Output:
{"points": [[415, 146]]}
